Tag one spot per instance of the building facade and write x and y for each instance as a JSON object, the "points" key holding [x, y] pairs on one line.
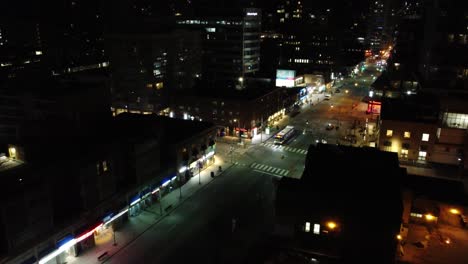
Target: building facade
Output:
{"points": [[231, 42], [147, 67]]}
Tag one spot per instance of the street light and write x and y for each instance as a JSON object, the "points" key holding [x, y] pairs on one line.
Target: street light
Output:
{"points": [[332, 225]]}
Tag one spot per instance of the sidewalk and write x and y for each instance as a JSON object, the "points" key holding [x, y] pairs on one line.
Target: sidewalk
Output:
{"points": [[135, 226]]}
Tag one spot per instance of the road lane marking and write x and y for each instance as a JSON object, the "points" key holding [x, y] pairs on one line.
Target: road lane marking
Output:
{"points": [[264, 172]]}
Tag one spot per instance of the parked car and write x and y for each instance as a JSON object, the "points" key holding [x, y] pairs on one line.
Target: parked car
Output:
{"points": [[329, 126]]}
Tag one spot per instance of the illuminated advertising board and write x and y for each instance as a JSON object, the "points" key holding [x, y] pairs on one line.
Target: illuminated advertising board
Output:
{"points": [[285, 78]]}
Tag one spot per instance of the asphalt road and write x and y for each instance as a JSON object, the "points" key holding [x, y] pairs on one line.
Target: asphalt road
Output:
{"points": [[201, 230]]}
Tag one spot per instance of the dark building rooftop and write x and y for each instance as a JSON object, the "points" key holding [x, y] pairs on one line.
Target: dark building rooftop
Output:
{"points": [[442, 190], [253, 88], [175, 130], [359, 188], [423, 108]]}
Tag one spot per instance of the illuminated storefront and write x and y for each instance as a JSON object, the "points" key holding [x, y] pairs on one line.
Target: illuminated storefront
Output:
{"points": [[373, 107]]}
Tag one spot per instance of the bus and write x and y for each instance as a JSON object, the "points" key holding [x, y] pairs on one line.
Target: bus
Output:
{"points": [[284, 135]]}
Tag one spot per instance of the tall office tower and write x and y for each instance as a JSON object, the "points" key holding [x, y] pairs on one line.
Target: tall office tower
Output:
{"points": [[51, 38], [230, 41], [147, 67], [320, 37], [21, 45], [377, 35], [74, 32], [431, 43], [289, 10], [444, 50]]}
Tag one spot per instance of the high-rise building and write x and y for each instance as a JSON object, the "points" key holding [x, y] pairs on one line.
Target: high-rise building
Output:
{"points": [[375, 30], [148, 67], [230, 41], [51, 38], [429, 43], [320, 37]]}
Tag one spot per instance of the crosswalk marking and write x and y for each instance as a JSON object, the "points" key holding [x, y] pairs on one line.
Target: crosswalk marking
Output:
{"points": [[269, 169], [287, 148]]}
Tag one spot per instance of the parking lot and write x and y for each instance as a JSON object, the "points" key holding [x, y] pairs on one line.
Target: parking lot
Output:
{"points": [[441, 245]]}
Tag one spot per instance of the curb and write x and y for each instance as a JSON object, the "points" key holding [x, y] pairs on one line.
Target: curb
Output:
{"points": [[166, 213]]}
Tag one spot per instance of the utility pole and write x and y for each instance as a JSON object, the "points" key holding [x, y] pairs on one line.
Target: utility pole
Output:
{"points": [[231, 149], [261, 130], [199, 173], [160, 202], [180, 186], [113, 235]]}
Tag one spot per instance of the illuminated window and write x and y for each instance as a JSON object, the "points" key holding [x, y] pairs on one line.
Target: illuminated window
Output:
{"points": [[389, 133], [407, 134], [387, 146], [317, 229], [416, 215], [104, 166], [307, 227], [98, 170], [404, 153], [422, 155], [425, 137]]}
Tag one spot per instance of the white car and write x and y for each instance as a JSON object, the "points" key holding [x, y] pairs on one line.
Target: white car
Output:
{"points": [[327, 96]]}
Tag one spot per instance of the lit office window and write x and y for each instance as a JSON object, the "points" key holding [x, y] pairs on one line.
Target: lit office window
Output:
{"points": [[307, 227], [389, 133], [425, 137], [422, 155], [104, 166], [407, 134], [317, 229], [404, 153]]}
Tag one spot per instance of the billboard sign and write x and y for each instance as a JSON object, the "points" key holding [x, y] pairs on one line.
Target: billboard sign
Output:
{"points": [[285, 78]]}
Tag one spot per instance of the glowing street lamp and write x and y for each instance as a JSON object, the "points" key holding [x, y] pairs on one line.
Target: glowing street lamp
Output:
{"points": [[429, 217], [454, 211], [332, 225]]}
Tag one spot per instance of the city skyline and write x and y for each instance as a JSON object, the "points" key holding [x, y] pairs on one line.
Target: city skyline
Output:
{"points": [[283, 131]]}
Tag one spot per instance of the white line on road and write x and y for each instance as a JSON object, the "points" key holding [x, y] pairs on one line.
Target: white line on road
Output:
{"points": [[264, 172], [258, 166]]}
